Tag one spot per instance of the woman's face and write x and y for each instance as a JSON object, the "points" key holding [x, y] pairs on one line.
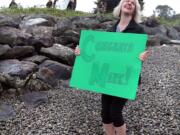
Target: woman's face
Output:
{"points": [[128, 7]]}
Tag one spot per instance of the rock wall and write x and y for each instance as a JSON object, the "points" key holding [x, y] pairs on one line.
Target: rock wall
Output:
{"points": [[37, 50]]}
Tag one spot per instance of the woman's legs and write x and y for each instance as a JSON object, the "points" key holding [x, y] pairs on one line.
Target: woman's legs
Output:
{"points": [[112, 115], [105, 114], [109, 129], [117, 106], [120, 130]]}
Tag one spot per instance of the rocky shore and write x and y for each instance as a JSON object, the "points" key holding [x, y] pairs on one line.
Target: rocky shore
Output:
{"points": [[72, 112]]}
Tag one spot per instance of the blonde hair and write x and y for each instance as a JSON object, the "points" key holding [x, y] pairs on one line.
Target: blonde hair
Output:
{"points": [[137, 15]]}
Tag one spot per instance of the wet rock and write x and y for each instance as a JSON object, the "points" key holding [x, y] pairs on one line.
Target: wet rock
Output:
{"points": [[15, 73], [4, 49], [1, 88], [17, 68], [13, 36], [38, 20], [34, 99], [38, 59], [18, 52], [60, 71], [60, 53], [6, 112], [61, 26], [9, 21], [173, 33], [36, 84]]}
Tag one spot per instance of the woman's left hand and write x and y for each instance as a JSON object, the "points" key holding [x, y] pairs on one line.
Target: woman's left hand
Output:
{"points": [[144, 55]]}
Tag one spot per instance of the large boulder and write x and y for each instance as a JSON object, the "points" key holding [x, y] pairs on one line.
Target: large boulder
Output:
{"points": [[151, 22], [48, 75], [17, 52], [173, 33], [9, 21], [60, 53], [34, 99], [38, 59], [54, 69], [6, 112], [153, 41], [4, 49], [177, 28], [159, 30], [13, 36], [61, 26], [1, 88], [42, 36], [15, 73], [38, 20], [85, 22]]}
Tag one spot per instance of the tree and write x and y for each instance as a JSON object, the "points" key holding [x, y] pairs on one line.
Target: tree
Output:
{"points": [[105, 6], [164, 11]]}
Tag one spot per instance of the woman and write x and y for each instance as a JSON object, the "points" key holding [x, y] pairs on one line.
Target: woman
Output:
{"points": [[128, 12]]}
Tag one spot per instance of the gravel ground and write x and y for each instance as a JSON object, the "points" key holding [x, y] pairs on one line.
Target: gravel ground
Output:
{"points": [[156, 111]]}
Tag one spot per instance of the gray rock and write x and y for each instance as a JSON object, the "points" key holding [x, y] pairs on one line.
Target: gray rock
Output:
{"points": [[177, 28], [38, 84], [178, 64], [159, 30], [85, 22], [153, 41], [13, 36], [61, 26], [1, 88], [38, 59], [175, 42], [101, 18], [38, 20], [6, 20], [64, 40], [72, 33], [39, 31], [173, 33], [34, 21], [15, 73], [4, 49], [59, 52], [47, 76], [18, 52], [39, 42], [151, 22], [17, 68], [42, 36], [68, 37], [54, 69], [163, 39], [34, 99], [6, 112]]}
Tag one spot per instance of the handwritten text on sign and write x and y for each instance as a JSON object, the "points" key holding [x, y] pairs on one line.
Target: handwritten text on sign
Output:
{"points": [[109, 63]]}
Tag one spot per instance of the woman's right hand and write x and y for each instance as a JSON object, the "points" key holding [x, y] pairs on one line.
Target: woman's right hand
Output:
{"points": [[77, 51]]}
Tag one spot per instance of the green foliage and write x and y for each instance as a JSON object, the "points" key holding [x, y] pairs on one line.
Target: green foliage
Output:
{"points": [[169, 22], [50, 11]]}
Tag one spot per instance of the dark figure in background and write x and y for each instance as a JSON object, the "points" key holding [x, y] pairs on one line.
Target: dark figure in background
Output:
{"points": [[49, 4], [54, 3], [72, 5], [13, 4]]}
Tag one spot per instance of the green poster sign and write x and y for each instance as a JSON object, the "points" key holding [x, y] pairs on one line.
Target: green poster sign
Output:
{"points": [[109, 63]]}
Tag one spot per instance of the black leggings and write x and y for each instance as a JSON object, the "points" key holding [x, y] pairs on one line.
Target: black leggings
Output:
{"points": [[112, 110]]}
